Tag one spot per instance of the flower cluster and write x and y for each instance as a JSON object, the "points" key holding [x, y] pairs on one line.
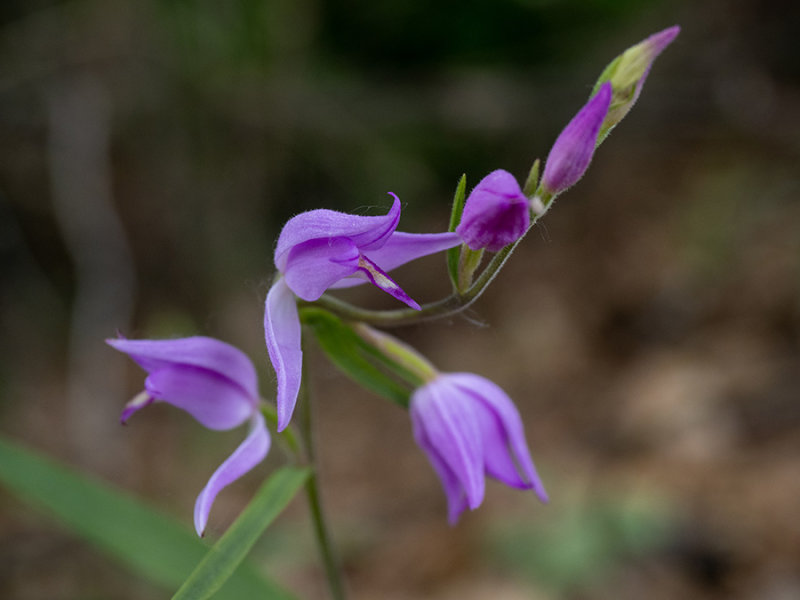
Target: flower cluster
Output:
{"points": [[466, 425]]}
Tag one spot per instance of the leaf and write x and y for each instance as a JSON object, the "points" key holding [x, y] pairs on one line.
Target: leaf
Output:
{"points": [[532, 182], [358, 359], [455, 218], [606, 75], [232, 548], [146, 541]]}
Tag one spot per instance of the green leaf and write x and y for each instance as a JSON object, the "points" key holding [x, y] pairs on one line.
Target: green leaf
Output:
{"points": [[455, 218], [532, 182], [146, 541], [226, 555], [358, 359], [606, 75]]}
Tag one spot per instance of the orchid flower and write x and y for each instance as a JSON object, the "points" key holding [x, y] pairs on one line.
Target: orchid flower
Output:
{"points": [[322, 249], [470, 428], [496, 213], [216, 384]]}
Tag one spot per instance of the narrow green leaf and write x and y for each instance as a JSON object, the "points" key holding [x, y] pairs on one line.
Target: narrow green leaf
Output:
{"points": [[532, 182], [455, 218], [358, 359], [146, 541], [232, 548]]}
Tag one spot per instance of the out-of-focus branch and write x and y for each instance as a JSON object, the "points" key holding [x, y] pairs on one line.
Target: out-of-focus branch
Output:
{"points": [[79, 120]]}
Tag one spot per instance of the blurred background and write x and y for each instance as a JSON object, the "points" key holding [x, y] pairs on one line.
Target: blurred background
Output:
{"points": [[649, 328]]}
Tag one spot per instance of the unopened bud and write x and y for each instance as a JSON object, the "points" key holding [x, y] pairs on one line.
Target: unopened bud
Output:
{"points": [[627, 74], [495, 214], [573, 149]]}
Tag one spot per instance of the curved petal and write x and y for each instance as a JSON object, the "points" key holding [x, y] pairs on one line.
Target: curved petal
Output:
{"points": [[282, 333], [506, 440], [452, 429], [312, 267], [141, 400], [365, 232], [208, 397], [249, 453], [456, 498], [384, 282], [204, 352], [401, 248]]}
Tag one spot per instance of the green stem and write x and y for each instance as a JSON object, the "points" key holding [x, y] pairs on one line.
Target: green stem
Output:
{"points": [[451, 305], [327, 553], [398, 352]]}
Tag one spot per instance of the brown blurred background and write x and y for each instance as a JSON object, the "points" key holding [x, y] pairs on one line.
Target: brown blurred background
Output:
{"points": [[649, 329]]}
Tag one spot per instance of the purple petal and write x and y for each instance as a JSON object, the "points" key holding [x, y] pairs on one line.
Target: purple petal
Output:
{"points": [[505, 434], [312, 267], [572, 151], [249, 453], [138, 403], [384, 282], [653, 46], [456, 498], [452, 429], [204, 352], [659, 41], [282, 332], [208, 397], [496, 213], [365, 232], [402, 248]]}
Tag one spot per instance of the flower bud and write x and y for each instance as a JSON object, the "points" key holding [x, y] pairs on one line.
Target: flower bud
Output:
{"points": [[572, 151], [495, 214], [627, 74]]}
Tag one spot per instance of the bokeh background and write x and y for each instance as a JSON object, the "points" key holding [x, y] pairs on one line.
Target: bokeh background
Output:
{"points": [[649, 328]]}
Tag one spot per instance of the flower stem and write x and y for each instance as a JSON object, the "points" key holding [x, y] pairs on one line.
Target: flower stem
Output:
{"points": [[451, 305], [327, 553]]}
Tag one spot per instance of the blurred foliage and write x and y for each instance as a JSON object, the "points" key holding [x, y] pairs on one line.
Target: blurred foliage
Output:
{"points": [[582, 543], [155, 546]]}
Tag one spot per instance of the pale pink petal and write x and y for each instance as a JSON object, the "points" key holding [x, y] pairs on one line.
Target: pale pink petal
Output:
{"points": [[312, 267], [282, 332], [453, 490], [508, 435], [207, 353], [211, 399], [401, 248], [249, 453], [452, 429], [365, 232]]}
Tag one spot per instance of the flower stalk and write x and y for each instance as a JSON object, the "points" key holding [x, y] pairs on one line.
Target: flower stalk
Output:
{"points": [[330, 561]]}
